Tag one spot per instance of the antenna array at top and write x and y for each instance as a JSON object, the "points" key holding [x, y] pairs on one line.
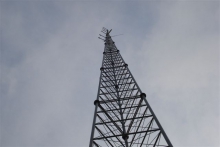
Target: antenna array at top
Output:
{"points": [[104, 30]]}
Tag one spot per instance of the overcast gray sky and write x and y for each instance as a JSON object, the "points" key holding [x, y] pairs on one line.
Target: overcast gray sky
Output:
{"points": [[50, 60]]}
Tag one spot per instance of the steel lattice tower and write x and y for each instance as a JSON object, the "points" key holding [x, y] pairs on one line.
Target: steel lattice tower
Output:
{"points": [[123, 117]]}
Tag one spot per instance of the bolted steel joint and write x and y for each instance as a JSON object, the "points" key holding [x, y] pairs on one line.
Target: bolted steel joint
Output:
{"points": [[104, 52], [102, 68], [125, 136], [126, 65], [143, 95], [96, 102], [116, 86], [117, 51]]}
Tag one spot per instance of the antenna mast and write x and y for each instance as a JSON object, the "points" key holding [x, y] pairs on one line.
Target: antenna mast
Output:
{"points": [[123, 116]]}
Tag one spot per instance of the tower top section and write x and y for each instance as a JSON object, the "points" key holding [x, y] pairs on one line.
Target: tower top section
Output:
{"points": [[107, 34], [106, 31], [109, 43]]}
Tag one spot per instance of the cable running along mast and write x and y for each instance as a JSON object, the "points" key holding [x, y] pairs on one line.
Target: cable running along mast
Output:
{"points": [[122, 117]]}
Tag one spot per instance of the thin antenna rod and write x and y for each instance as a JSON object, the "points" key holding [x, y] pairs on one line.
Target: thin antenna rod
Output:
{"points": [[102, 35], [101, 39], [117, 35]]}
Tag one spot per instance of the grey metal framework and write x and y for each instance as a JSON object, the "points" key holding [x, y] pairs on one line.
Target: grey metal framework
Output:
{"points": [[122, 117]]}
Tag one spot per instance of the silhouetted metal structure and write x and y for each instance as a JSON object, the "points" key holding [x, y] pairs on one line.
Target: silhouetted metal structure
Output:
{"points": [[123, 117]]}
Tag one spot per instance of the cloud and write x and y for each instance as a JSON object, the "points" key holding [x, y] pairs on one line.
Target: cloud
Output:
{"points": [[50, 60], [181, 65]]}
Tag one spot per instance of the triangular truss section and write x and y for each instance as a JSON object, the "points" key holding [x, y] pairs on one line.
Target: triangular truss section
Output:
{"points": [[123, 117]]}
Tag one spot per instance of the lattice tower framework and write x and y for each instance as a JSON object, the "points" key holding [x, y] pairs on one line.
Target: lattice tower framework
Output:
{"points": [[123, 116]]}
